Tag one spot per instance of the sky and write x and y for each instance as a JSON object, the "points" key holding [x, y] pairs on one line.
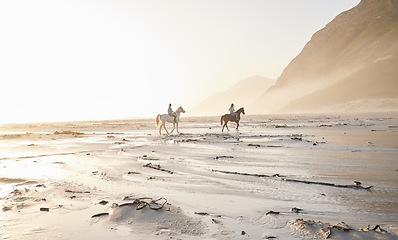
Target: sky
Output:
{"points": [[78, 60]]}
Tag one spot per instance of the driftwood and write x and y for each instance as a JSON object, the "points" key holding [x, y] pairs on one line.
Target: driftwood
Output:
{"points": [[218, 157], [207, 214], [99, 215], [70, 191], [139, 204], [239, 173], [272, 212], [279, 177], [157, 167], [355, 186]]}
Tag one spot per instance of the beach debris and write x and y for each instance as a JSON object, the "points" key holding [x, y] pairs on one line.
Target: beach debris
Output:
{"points": [[7, 208], [207, 214], [243, 233], [146, 157], [44, 209], [325, 125], [269, 237], [157, 167], [254, 145], [214, 221], [295, 210], [323, 183], [271, 212], [143, 202], [68, 132], [133, 172], [298, 137], [240, 173], [282, 178], [103, 202], [189, 140], [70, 191], [99, 215], [202, 213], [218, 157], [138, 203], [357, 183], [16, 192]]}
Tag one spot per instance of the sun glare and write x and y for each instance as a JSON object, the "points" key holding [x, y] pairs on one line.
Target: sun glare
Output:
{"points": [[71, 61]]}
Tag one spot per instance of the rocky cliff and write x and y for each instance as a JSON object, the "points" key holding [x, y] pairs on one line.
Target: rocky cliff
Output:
{"points": [[354, 58]]}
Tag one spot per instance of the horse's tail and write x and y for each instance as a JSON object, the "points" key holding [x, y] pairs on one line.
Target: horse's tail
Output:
{"points": [[222, 119], [158, 120]]}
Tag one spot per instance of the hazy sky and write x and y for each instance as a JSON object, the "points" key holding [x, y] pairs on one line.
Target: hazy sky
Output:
{"points": [[105, 59]]}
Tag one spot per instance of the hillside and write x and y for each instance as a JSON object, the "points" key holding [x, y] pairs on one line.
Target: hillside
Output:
{"points": [[354, 58], [242, 94]]}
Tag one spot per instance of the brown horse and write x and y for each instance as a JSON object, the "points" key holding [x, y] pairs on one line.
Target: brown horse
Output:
{"points": [[228, 117]]}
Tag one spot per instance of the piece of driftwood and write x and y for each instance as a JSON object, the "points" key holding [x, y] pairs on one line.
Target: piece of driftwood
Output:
{"points": [[354, 186], [218, 157], [207, 214], [70, 191], [99, 215], [240, 173], [271, 212], [139, 203], [44, 209], [282, 178], [157, 167]]}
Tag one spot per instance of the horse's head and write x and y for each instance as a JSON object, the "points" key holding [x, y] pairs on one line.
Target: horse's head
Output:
{"points": [[180, 109], [241, 110]]}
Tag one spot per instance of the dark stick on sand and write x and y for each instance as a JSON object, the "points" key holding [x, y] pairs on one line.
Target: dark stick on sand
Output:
{"points": [[277, 176], [157, 167]]}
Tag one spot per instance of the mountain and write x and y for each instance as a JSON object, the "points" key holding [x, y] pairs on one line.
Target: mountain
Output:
{"points": [[353, 59], [242, 94]]}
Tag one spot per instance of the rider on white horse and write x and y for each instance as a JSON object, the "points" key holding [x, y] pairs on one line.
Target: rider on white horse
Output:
{"points": [[174, 118], [171, 113]]}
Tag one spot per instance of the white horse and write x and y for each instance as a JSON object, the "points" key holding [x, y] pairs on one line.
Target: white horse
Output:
{"points": [[167, 118]]}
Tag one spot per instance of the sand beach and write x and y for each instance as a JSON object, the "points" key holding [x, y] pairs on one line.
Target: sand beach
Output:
{"points": [[318, 176]]}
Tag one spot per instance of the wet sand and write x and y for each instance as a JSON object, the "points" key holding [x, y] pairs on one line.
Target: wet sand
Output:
{"points": [[281, 176]]}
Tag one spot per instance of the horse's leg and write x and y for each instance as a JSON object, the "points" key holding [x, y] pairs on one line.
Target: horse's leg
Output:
{"points": [[237, 126], [177, 128], [174, 126], [226, 125], [164, 125]]}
